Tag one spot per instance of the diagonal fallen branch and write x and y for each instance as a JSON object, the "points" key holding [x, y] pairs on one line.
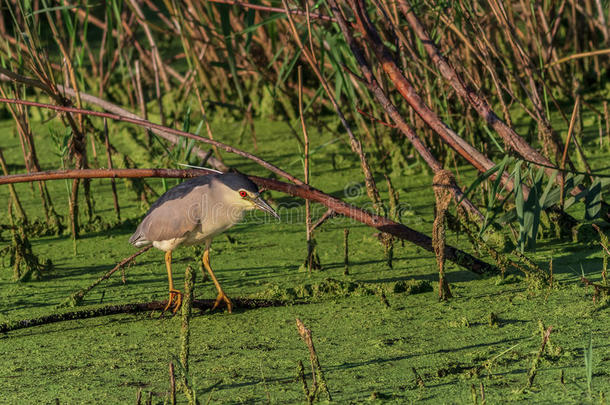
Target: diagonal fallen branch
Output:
{"points": [[340, 207]]}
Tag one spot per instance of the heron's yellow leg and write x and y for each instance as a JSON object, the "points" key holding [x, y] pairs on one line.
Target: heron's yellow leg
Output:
{"points": [[221, 295], [173, 293]]}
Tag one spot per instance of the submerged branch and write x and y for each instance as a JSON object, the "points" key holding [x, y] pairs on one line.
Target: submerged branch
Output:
{"points": [[243, 303]]}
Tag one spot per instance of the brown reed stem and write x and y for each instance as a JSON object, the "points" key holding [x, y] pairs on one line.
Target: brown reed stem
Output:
{"points": [[14, 197], [311, 261], [115, 197], [355, 144]]}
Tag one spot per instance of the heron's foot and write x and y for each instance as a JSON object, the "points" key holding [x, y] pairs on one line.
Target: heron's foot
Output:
{"points": [[174, 301], [223, 297]]}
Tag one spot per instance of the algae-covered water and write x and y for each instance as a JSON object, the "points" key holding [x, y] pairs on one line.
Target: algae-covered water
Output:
{"points": [[406, 347]]}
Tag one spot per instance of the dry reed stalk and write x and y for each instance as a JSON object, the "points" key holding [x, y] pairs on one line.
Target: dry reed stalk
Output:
{"points": [[311, 260], [13, 193], [26, 138], [115, 197], [567, 145], [355, 144], [141, 99], [172, 384], [157, 62]]}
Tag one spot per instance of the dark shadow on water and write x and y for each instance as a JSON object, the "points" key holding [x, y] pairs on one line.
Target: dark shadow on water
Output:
{"points": [[503, 342], [379, 361]]}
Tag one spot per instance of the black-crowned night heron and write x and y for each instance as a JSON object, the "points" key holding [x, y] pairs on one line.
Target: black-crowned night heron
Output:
{"points": [[194, 212]]}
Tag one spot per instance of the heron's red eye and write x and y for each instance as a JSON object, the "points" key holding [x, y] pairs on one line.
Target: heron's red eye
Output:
{"points": [[243, 194]]}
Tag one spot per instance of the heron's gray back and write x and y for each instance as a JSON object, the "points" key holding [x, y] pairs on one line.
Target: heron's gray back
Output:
{"points": [[176, 212], [197, 209]]}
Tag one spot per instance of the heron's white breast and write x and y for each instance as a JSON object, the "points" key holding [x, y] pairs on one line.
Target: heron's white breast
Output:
{"points": [[169, 244]]}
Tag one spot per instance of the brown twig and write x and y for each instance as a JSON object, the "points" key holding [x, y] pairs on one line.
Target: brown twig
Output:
{"points": [[78, 296], [326, 216]]}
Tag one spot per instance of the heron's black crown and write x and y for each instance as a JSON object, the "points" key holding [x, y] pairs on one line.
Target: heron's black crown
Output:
{"points": [[237, 181]]}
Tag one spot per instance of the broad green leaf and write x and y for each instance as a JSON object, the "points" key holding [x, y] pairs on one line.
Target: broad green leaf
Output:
{"points": [[479, 180], [593, 200]]}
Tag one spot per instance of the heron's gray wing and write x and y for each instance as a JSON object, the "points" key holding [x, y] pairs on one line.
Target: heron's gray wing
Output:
{"points": [[181, 190], [175, 213]]}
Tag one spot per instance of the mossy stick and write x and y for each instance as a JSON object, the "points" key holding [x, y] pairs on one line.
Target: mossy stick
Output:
{"points": [[301, 375], [534, 369], [312, 261], [442, 182], [319, 382], [172, 384], [305, 170], [187, 306], [185, 333], [345, 252]]}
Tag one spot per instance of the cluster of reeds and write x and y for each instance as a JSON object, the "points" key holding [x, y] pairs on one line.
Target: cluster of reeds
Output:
{"points": [[414, 85]]}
